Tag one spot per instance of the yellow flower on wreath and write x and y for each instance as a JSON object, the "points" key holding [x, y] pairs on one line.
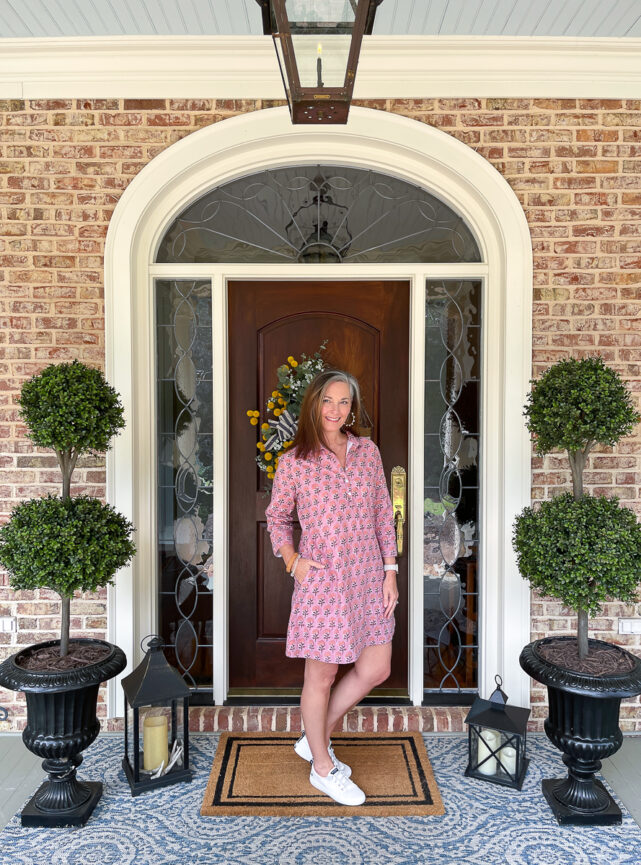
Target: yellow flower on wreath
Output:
{"points": [[268, 456], [277, 413], [270, 404]]}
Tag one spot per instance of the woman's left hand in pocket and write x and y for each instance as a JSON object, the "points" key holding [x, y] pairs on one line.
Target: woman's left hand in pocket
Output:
{"points": [[390, 593]]}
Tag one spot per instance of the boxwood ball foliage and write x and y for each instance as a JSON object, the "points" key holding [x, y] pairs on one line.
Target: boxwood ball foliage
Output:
{"points": [[576, 402], [580, 551], [67, 545], [70, 406]]}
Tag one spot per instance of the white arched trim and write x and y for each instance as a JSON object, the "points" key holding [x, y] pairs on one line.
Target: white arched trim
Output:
{"points": [[388, 143]]}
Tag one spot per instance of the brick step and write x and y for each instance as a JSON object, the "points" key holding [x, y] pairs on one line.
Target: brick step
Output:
{"points": [[211, 719]]}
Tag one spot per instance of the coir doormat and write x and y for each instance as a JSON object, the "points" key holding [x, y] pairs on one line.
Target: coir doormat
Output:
{"points": [[260, 775]]}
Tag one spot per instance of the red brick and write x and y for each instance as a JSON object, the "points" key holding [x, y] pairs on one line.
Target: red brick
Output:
{"points": [[266, 718], [224, 718], [144, 104], [382, 720], [178, 118], [367, 722], [281, 719]]}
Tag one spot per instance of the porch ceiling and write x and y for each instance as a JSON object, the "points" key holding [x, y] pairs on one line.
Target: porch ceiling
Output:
{"points": [[509, 18]]}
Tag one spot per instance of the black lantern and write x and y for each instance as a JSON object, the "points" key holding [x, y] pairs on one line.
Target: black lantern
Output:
{"points": [[497, 740], [318, 43], [158, 688]]}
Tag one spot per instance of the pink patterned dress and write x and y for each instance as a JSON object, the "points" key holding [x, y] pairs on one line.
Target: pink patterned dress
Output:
{"points": [[347, 525]]}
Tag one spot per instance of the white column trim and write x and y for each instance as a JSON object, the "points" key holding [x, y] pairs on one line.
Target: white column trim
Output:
{"points": [[386, 142], [244, 67]]}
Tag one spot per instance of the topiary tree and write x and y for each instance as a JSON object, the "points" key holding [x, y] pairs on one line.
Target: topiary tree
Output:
{"points": [[581, 549], [62, 543], [70, 407], [575, 405]]}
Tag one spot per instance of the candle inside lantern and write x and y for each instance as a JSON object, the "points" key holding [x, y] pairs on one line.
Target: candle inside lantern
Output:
{"points": [[508, 760], [319, 67], [492, 740], [155, 742]]}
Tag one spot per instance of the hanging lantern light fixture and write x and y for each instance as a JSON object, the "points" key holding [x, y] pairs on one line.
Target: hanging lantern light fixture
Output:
{"points": [[318, 43]]}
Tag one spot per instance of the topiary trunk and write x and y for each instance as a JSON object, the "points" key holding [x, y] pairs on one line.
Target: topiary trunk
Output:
{"points": [[64, 625], [67, 462], [582, 633], [578, 460]]}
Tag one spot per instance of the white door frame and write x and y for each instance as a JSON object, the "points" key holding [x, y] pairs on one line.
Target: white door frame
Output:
{"points": [[383, 142]]}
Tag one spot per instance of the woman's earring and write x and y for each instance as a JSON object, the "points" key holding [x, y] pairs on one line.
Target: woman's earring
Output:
{"points": [[352, 421]]}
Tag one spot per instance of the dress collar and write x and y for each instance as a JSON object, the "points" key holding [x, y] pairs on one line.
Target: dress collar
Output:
{"points": [[352, 443]]}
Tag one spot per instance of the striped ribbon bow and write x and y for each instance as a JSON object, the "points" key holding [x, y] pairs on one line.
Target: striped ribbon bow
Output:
{"points": [[284, 428]]}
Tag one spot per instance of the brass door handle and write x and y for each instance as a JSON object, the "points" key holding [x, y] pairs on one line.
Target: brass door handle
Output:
{"points": [[399, 503], [398, 524]]}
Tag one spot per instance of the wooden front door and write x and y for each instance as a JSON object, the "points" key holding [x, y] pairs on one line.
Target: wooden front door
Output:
{"points": [[366, 325]]}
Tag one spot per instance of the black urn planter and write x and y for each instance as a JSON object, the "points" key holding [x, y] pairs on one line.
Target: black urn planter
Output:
{"points": [[61, 722], [583, 723]]}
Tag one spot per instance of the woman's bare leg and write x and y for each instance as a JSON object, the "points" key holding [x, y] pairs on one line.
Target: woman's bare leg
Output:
{"points": [[371, 668], [319, 678]]}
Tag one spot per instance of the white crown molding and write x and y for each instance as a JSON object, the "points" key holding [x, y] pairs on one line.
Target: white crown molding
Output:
{"points": [[234, 67]]}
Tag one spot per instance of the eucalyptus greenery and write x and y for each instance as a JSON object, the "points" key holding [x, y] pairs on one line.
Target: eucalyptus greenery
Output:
{"points": [[579, 548], [62, 543]]}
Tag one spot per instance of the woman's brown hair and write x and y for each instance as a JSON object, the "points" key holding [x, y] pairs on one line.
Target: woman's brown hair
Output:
{"points": [[309, 436]]}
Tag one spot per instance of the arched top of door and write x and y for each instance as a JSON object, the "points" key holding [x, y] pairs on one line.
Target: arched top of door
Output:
{"points": [[443, 171], [318, 214]]}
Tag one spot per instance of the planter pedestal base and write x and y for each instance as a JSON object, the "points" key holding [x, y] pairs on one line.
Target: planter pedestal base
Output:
{"points": [[62, 722], [610, 815], [583, 723], [32, 815]]}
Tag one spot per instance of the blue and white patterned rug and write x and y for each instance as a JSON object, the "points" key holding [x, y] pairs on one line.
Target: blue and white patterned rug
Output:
{"points": [[483, 823]]}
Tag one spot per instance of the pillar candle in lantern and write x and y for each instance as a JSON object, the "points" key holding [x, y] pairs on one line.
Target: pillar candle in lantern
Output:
{"points": [[155, 741], [508, 760], [493, 739]]}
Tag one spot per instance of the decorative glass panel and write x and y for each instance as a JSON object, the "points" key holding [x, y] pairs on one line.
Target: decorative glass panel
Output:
{"points": [[321, 62], [451, 491], [318, 213], [185, 476]]}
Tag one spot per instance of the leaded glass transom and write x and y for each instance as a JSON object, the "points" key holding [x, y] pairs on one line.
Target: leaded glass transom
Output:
{"points": [[318, 213], [451, 484]]}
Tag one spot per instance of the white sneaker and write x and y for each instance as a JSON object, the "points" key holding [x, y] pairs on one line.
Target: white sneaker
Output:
{"points": [[303, 750], [338, 787]]}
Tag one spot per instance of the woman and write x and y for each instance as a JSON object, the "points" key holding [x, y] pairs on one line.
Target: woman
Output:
{"points": [[344, 571]]}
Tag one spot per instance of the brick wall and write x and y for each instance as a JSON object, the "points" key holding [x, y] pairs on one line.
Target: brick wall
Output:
{"points": [[574, 164]]}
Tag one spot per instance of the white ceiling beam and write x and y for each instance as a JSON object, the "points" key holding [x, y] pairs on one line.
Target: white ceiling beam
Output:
{"points": [[390, 66]]}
